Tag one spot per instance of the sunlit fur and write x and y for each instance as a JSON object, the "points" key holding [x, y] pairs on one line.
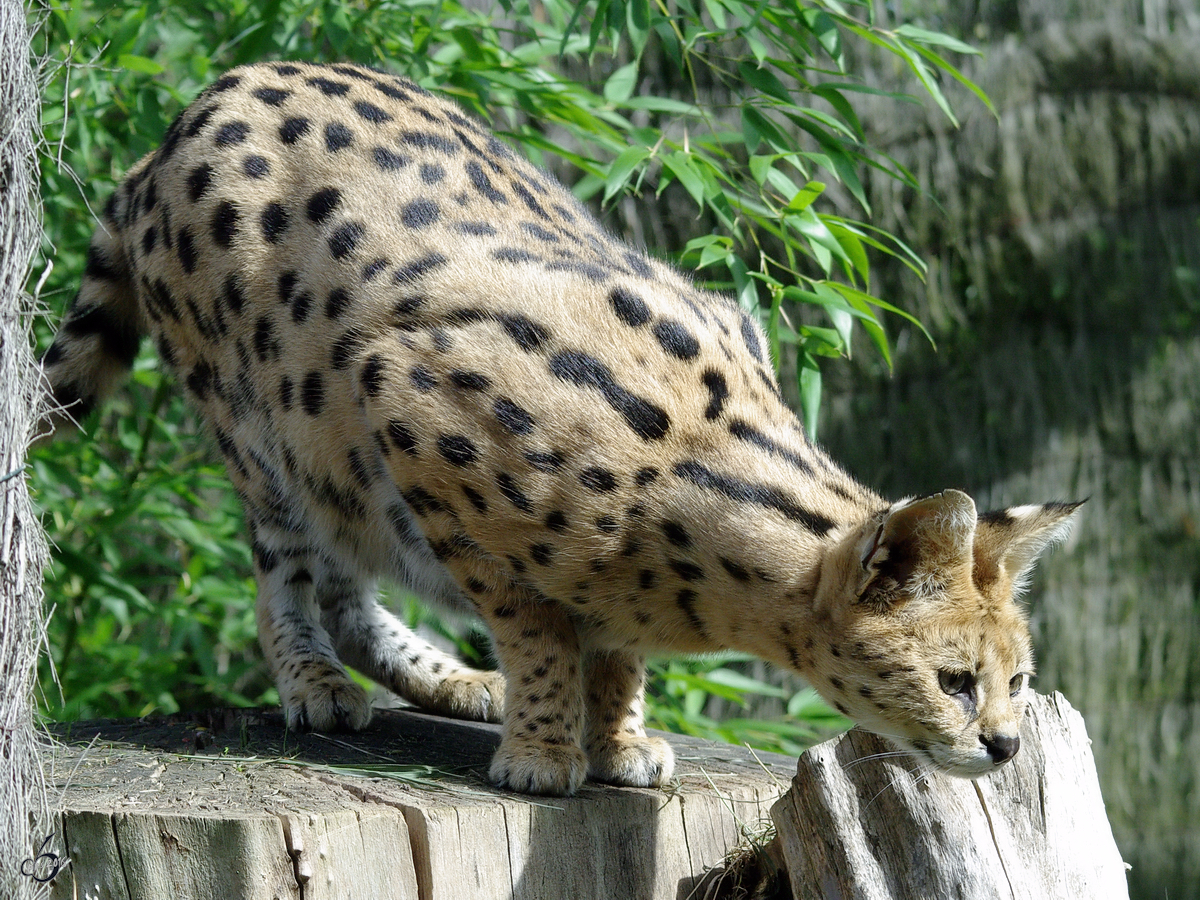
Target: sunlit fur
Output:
{"points": [[423, 360]]}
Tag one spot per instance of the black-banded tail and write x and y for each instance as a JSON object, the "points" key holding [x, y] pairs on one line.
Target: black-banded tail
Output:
{"points": [[99, 336]]}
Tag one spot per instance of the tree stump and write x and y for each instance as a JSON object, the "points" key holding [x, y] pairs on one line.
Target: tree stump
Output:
{"points": [[229, 805], [860, 823]]}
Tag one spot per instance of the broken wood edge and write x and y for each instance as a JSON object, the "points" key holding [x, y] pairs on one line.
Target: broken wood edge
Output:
{"points": [[861, 820]]}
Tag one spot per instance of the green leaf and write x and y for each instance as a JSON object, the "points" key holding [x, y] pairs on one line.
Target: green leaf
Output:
{"points": [[621, 83], [139, 64], [764, 81], [621, 168], [682, 166], [638, 15], [922, 36], [809, 380]]}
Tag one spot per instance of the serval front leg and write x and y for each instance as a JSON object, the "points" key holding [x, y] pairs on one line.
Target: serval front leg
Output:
{"points": [[618, 750]]}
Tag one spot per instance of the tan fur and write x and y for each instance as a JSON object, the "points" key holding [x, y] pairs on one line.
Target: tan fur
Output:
{"points": [[423, 360]]}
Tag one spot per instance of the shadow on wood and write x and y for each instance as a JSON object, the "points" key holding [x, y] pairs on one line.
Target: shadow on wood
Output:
{"points": [[860, 823]]}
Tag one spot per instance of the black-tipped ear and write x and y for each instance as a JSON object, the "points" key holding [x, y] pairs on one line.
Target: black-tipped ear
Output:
{"points": [[918, 540], [1009, 541]]}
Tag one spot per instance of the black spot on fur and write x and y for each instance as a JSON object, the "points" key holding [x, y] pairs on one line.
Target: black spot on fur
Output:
{"points": [[345, 238], [470, 381], [389, 160], [423, 380], [149, 239], [483, 184], [271, 96], [312, 393], [607, 524], [293, 129], [329, 87], [322, 204], [676, 340], [401, 435], [274, 222], [545, 461], [718, 393], [542, 554], [225, 222], [285, 393], [646, 476], [420, 213], [751, 492], [556, 521], [688, 571], [424, 140], [597, 479], [410, 272], [477, 229], [629, 307], [686, 601], [648, 421], [186, 249], [513, 417], [301, 304], [737, 571], [345, 348], [677, 534], [256, 166], [743, 431], [372, 375], [235, 297], [475, 498], [265, 344], [528, 334], [638, 264], [337, 136], [457, 450], [514, 255], [371, 113], [198, 182], [647, 579], [224, 83], [513, 493], [374, 268], [432, 173], [750, 336], [231, 133]]}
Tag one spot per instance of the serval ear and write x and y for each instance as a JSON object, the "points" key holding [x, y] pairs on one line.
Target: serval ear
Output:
{"points": [[919, 546], [1009, 541]]}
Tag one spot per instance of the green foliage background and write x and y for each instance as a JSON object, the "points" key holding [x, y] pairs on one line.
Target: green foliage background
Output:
{"points": [[737, 113]]}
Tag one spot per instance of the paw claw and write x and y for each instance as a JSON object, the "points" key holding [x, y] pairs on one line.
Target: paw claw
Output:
{"points": [[331, 701], [472, 695], [538, 768], [632, 761]]}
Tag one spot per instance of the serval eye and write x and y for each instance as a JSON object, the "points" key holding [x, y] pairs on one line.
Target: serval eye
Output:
{"points": [[1017, 683], [953, 683]]}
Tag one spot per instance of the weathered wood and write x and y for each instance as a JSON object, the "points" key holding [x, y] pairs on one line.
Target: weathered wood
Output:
{"points": [[23, 808], [859, 823], [143, 815]]}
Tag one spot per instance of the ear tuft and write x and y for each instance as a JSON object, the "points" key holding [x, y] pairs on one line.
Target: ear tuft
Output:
{"points": [[1009, 541]]}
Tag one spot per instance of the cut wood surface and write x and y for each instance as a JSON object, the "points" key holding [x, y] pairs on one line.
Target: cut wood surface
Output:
{"points": [[859, 823], [201, 807]]}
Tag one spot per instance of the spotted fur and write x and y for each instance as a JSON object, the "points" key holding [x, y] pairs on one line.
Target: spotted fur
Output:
{"points": [[424, 361]]}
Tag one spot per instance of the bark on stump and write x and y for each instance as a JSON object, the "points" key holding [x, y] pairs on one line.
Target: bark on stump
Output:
{"points": [[144, 815], [859, 823]]}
